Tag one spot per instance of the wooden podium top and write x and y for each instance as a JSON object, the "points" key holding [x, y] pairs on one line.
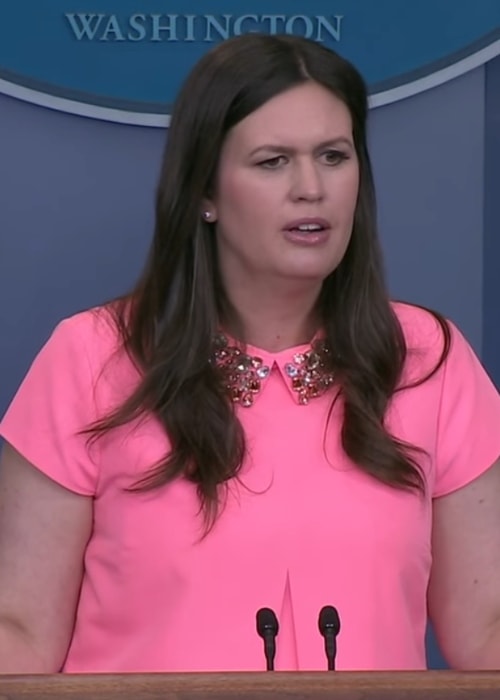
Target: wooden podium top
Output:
{"points": [[424, 685]]}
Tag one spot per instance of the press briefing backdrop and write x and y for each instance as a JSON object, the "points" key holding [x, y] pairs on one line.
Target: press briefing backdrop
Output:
{"points": [[85, 94]]}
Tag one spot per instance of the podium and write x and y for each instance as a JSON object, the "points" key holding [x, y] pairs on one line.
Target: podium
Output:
{"points": [[333, 685]]}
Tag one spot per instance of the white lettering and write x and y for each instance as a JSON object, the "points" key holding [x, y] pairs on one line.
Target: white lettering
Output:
{"points": [[85, 26], [213, 23], [112, 28], [171, 27], [238, 22], [136, 24], [289, 26], [333, 31], [190, 27], [273, 22]]}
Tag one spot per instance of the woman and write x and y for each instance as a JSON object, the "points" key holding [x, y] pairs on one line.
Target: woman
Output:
{"points": [[255, 424]]}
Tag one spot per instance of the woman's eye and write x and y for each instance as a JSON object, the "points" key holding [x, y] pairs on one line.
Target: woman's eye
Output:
{"points": [[334, 157], [272, 163]]}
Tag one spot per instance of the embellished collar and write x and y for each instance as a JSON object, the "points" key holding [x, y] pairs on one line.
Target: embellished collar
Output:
{"points": [[243, 372]]}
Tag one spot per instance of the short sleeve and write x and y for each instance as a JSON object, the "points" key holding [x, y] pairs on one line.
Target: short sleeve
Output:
{"points": [[468, 439], [54, 403]]}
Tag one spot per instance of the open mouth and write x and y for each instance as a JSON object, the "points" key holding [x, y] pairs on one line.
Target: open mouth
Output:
{"points": [[307, 234], [307, 228]]}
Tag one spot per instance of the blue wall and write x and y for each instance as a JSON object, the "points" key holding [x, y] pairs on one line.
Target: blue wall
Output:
{"points": [[428, 153], [491, 279], [76, 213]]}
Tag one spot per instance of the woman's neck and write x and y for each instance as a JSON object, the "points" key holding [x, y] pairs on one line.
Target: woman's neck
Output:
{"points": [[274, 319]]}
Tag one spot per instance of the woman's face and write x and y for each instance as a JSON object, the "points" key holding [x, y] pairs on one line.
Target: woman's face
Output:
{"points": [[286, 190]]}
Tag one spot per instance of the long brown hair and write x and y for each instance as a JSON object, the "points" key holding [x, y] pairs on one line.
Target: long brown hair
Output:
{"points": [[169, 320]]}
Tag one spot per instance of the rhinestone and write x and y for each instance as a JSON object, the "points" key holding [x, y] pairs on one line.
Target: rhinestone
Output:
{"points": [[291, 370], [313, 360], [256, 362], [299, 358], [254, 386], [247, 400], [303, 399], [297, 384], [263, 372]]}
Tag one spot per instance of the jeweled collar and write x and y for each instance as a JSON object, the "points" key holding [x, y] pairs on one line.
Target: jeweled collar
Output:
{"points": [[243, 374]]}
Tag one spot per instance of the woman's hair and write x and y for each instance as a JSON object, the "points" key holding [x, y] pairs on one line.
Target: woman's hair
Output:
{"points": [[169, 320]]}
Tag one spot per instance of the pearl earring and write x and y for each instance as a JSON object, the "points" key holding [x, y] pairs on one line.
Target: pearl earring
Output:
{"points": [[207, 215]]}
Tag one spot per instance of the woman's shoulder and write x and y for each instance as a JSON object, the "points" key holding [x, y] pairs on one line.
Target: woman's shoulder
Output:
{"points": [[93, 341], [421, 326], [429, 337], [434, 341], [96, 327]]}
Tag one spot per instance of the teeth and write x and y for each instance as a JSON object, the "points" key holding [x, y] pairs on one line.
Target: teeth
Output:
{"points": [[310, 227]]}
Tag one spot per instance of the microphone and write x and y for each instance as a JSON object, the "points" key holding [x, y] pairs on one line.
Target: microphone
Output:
{"points": [[329, 627], [267, 628]]}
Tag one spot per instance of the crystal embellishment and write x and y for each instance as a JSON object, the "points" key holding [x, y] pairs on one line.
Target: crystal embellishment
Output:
{"points": [[243, 374], [310, 372], [292, 370], [263, 372]]}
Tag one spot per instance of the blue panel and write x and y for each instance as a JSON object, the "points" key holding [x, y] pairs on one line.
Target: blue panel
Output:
{"points": [[428, 160], [133, 53], [491, 307]]}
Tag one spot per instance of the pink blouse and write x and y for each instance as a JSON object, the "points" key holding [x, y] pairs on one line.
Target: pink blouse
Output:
{"points": [[303, 527]]}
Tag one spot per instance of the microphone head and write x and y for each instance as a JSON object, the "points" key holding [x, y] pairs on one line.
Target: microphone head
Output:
{"points": [[329, 621], [267, 622]]}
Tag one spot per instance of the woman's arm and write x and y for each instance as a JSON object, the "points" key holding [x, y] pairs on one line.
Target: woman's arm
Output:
{"points": [[44, 529], [464, 592]]}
